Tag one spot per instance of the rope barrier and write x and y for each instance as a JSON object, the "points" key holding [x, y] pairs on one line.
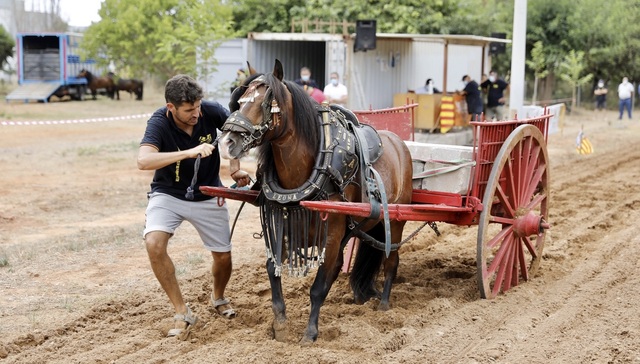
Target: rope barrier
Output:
{"points": [[77, 121]]}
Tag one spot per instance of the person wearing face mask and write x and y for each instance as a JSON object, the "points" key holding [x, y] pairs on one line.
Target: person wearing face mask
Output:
{"points": [[601, 95], [428, 88], [305, 78], [495, 88], [625, 93], [472, 93], [336, 92]]}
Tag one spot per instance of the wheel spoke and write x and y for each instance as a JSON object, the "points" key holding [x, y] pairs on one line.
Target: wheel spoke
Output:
{"points": [[522, 264], [508, 266], [504, 200], [532, 249], [537, 199], [534, 172], [500, 254], [498, 238]]}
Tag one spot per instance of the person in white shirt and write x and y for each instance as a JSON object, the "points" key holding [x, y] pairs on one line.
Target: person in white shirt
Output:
{"points": [[625, 93], [336, 92]]}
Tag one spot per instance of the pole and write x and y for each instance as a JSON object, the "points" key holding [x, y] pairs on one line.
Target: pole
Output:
{"points": [[518, 53]]}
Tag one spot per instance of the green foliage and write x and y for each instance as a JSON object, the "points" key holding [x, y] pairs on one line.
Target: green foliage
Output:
{"points": [[158, 37], [571, 70], [538, 60], [6, 46]]}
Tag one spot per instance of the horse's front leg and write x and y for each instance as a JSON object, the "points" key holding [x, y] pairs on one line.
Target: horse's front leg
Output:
{"points": [[390, 266], [279, 325], [327, 274]]}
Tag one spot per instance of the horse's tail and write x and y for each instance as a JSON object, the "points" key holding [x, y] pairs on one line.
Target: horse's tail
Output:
{"points": [[364, 272]]}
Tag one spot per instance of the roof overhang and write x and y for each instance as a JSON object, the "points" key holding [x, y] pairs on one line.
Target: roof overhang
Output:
{"points": [[307, 37]]}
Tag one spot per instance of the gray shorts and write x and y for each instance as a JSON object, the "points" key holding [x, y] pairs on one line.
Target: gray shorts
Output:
{"points": [[166, 213]]}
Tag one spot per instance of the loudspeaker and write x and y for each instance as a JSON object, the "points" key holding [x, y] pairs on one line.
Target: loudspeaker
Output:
{"points": [[365, 35], [498, 48]]}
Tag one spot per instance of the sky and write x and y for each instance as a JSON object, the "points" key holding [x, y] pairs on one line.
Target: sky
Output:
{"points": [[80, 13]]}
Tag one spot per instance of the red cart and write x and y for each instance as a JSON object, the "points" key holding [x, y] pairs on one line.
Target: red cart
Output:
{"points": [[505, 193]]}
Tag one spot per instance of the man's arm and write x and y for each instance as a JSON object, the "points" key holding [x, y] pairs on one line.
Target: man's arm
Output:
{"points": [[241, 177], [149, 158]]}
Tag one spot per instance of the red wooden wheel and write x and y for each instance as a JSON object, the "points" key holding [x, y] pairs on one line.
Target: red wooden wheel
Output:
{"points": [[513, 223]]}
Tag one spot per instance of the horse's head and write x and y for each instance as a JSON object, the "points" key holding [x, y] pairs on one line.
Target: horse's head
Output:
{"points": [[86, 74], [261, 107]]}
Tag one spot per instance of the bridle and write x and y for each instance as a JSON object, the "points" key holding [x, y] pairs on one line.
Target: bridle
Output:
{"points": [[252, 135]]}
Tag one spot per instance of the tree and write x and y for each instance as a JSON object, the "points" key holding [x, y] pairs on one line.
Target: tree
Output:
{"points": [[158, 37], [538, 64], [571, 70], [6, 47]]}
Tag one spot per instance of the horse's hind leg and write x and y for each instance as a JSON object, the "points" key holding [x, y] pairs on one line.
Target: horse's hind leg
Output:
{"points": [[279, 324]]}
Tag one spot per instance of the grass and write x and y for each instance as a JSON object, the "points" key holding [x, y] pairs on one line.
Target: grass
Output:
{"points": [[4, 259]]}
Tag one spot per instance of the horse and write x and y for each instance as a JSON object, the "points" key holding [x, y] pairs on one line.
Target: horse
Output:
{"points": [[289, 129], [94, 83], [131, 85]]}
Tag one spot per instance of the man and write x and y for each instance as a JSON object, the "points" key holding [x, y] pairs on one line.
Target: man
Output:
{"points": [[625, 93], [495, 88], [305, 78], [601, 95], [472, 93], [175, 135], [336, 92]]}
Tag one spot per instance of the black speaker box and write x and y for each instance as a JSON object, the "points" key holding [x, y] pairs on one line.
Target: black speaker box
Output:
{"points": [[498, 48], [365, 35]]}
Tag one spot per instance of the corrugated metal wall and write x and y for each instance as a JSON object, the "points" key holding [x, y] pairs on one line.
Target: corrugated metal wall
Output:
{"points": [[230, 56], [293, 55]]}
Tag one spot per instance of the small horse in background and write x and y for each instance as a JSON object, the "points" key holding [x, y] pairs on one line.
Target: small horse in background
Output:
{"points": [[98, 82], [293, 142], [131, 85]]}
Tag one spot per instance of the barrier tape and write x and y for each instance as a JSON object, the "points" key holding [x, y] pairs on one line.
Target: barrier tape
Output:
{"points": [[77, 121]]}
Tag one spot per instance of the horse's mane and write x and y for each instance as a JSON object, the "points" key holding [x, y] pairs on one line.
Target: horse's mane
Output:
{"points": [[304, 108]]}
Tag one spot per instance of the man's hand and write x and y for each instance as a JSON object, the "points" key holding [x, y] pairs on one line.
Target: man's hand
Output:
{"points": [[204, 150], [241, 177]]}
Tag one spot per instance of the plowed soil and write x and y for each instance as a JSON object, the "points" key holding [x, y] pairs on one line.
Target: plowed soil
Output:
{"points": [[77, 286]]}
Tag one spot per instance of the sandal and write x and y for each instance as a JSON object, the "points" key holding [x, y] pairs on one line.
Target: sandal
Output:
{"points": [[190, 319], [229, 313]]}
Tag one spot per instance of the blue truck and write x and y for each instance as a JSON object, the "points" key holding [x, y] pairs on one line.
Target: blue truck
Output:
{"points": [[48, 64]]}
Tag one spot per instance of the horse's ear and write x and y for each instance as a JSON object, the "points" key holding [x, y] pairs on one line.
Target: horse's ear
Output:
{"points": [[252, 71], [277, 70]]}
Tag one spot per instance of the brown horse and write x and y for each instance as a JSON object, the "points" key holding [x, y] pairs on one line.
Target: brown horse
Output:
{"points": [[280, 118], [131, 85], [94, 83]]}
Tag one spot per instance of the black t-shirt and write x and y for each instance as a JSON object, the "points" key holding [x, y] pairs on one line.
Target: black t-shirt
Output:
{"points": [[163, 134], [495, 92], [474, 101]]}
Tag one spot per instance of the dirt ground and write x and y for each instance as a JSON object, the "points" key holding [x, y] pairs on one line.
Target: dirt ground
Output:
{"points": [[77, 286]]}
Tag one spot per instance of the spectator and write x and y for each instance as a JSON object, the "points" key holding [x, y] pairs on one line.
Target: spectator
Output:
{"points": [[428, 88], [601, 95], [305, 78], [472, 94], [336, 92], [315, 94], [495, 88], [625, 93]]}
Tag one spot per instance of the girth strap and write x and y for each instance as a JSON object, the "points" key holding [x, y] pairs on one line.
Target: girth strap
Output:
{"points": [[374, 188]]}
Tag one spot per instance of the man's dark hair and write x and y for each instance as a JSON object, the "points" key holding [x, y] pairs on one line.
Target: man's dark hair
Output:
{"points": [[465, 76], [182, 88]]}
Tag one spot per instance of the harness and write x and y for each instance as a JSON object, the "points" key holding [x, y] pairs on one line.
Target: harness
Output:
{"points": [[345, 148]]}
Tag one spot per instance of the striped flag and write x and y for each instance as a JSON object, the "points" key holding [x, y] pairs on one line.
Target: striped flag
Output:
{"points": [[583, 145]]}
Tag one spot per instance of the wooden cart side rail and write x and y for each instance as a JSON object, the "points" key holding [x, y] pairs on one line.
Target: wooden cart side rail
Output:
{"points": [[488, 138]]}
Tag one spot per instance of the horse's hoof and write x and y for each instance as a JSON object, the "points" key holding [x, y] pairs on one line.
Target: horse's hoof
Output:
{"points": [[307, 341], [384, 306], [280, 331]]}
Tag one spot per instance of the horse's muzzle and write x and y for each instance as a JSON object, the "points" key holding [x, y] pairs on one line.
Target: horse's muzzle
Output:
{"points": [[230, 145]]}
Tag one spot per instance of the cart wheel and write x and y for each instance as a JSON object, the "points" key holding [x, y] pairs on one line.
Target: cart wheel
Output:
{"points": [[512, 224]]}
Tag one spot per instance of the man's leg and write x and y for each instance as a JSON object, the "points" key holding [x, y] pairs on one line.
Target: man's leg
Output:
{"points": [[621, 107], [163, 268], [629, 107], [221, 271]]}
